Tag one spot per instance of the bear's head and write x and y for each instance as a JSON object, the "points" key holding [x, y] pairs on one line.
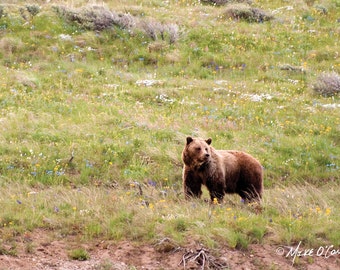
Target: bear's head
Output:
{"points": [[196, 152]]}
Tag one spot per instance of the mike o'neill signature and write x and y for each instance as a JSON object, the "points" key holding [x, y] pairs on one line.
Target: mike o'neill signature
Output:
{"points": [[293, 252]]}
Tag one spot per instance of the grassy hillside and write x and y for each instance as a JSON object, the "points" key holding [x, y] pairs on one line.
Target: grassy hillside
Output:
{"points": [[96, 102]]}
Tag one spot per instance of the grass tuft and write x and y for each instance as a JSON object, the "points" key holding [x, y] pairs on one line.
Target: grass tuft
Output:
{"points": [[79, 254]]}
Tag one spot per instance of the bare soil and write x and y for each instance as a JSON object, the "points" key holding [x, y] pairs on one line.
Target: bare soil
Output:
{"points": [[44, 250]]}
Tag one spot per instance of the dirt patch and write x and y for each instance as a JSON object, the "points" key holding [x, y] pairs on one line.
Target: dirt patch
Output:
{"points": [[43, 250]]}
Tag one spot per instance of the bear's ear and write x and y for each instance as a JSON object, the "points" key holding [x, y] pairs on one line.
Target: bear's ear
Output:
{"points": [[208, 141], [189, 140]]}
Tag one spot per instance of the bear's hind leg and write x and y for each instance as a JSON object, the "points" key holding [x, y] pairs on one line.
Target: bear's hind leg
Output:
{"points": [[250, 196]]}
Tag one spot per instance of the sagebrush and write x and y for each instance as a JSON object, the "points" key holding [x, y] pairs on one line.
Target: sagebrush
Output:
{"points": [[327, 84]]}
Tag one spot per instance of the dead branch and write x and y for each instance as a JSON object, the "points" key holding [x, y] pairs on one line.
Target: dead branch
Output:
{"points": [[203, 258]]}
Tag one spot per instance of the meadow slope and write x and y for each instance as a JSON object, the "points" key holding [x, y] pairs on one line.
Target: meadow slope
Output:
{"points": [[96, 101]]}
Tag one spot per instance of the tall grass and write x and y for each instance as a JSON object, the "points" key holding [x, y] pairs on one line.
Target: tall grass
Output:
{"points": [[288, 215]]}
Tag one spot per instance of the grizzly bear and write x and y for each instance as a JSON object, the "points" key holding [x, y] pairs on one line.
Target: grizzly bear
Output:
{"points": [[221, 171]]}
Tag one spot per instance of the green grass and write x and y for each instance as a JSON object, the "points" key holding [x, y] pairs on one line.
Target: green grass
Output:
{"points": [[79, 254], [87, 147]]}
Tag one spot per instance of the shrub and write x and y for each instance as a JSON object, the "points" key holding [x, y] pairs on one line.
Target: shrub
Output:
{"points": [[98, 18], [2, 12], [11, 45], [247, 13], [156, 30], [225, 2], [327, 84], [152, 28], [33, 9], [95, 17], [173, 32]]}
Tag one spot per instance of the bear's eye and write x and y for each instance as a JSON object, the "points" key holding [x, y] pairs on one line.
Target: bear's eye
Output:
{"points": [[198, 148]]}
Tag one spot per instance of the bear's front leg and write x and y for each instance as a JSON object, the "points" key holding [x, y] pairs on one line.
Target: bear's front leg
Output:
{"points": [[216, 195], [192, 185], [216, 190]]}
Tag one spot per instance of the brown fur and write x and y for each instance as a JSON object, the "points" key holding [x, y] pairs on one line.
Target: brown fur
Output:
{"points": [[221, 171]]}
